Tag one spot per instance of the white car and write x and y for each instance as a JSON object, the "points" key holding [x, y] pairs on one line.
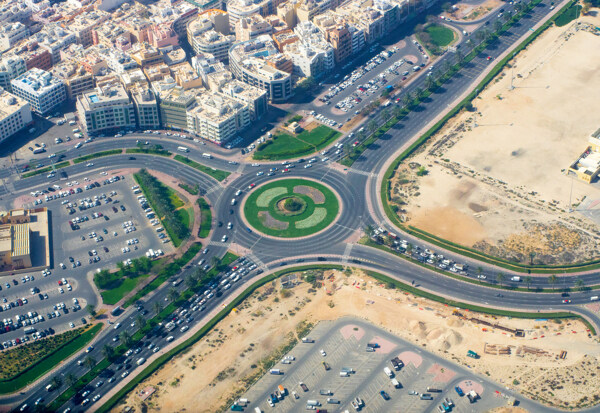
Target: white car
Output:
{"points": [[224, 238], [90, 164], [229, 225], [323, 353]]}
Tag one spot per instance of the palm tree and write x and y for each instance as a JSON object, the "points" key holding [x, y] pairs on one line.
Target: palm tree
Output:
{"points": [[580, 284], [552, 280], [418, 92], [460, 58], [500, 277], [56, 382], [70, 379], [371, 126], [369, 230], [140, 321], [89, 362], [479, 271], [215, 261], [429, 83], [407, 99], [528, 281], [173, 294], [480, 35], [108, 351], [497, 26], [126, 338], [531, 257], [157, 307]]}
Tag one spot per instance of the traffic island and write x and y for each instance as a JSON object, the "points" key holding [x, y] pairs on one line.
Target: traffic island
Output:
{"points": [[291, 208]]}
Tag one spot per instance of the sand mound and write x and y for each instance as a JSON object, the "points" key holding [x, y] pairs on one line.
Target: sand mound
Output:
{"points": [[418, 328], [455, 322], [444, 339]]}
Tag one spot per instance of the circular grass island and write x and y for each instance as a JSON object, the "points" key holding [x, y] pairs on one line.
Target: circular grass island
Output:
{"points": [[291, 208]]}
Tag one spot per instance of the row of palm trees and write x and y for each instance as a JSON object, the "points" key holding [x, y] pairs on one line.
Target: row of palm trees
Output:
{"points": [[552, 280]]}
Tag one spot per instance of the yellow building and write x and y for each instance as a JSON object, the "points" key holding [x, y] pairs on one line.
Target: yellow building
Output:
{"points": [[19, 229], [587, 165]]}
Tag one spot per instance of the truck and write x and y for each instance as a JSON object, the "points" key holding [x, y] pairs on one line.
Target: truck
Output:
{"points": [[39, 150], [387, 371], [433, 390], [182, 149], [313, 403], [472, 354], [303, 386], [236, 408], [397, 363], [307, 340], [373, 345], [515, 278], [348, 370], [426, 396], [207, 155], [29, 330], [472, 396], [332, 401], [282, 390], [344, 374], [325, 392], [170, 326], [395, 383], [141, 361], [275, 371]]}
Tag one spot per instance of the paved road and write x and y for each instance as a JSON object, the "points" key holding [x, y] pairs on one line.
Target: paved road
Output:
{"points": [[273, 253]]}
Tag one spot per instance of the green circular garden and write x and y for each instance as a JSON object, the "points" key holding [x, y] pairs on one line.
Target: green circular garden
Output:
{"points": [[290, 208]]}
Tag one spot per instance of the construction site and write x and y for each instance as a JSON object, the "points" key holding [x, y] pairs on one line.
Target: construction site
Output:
{"points": [[497, 178]]}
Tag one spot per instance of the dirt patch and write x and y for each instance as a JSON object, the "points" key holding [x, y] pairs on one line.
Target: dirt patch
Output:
{"points": [[469, 12], [411, 357], [268, 221], [311, 125], [314, 194], [441, 374], [495, 179], [216, 368], [352, 331]]}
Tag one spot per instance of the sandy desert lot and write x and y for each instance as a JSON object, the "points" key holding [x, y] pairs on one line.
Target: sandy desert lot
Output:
{"points": [[496, 178], [220, 366]]}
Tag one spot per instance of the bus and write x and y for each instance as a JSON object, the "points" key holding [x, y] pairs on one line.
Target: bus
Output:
{"points": [[182, 149]]}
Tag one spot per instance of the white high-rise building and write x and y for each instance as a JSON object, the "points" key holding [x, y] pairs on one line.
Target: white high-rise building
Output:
{"points": [[107, 108], [10, 68]]}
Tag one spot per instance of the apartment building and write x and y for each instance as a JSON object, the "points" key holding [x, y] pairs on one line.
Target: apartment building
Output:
{"points": [[76, 79], [11, 34], [15, 114], [239, 9], [217, 117], [106, 108], [205, 39], [174, 105], [146, 108], [249, 28], [83, 25], [54, 38], [43, 91], [10, 68]]}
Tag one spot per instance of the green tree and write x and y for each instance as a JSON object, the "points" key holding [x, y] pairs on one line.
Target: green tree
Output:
{"points": [[157, 307], [190, 280], [140, 321], [460, 58], [56, 382], [108, 351], [528, 281], [126, 338], [173, 295], [479, 271], [552, 280], [371, 126], [70, 379], [418, 93], [369, 230], [497, 26], [531, 257], [89, 362], [429, 83], [580, 284], [500, 278], [91, 310], [407, 100]]}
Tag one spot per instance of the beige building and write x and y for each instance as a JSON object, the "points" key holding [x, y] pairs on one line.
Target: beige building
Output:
{"points": [[24, 240], [15, 114], [248, 28], [106, 109]]}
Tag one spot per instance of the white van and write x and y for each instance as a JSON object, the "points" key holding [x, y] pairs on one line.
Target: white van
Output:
{"points": [[206, 155], [140, 361], [72, 122], [515, 278], [182, 149], [594, 298]]}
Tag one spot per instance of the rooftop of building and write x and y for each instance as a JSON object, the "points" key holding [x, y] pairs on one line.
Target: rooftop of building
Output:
{"points": [[10, 103], [36, 80]]}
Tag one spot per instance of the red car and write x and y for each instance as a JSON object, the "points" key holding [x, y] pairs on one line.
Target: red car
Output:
{"points": [[251, 186], [566, 301], [489, 58]]}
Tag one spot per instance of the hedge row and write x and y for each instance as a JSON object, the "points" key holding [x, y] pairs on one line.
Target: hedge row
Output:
{"points": [[97, 155]]}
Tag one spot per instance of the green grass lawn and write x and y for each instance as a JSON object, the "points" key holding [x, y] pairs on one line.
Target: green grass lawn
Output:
{"points": [[215, 173], [55, 357], [174, 198], [97, 155], [568, 15], [331, 206], [285, 146], [205, 218], [113, 295], [440, 35]]}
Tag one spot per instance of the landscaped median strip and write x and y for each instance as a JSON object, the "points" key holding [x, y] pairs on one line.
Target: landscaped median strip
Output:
{"points": [[471, 253], [46, 169], [218, 174], [50, 361], [97, 155], [154, 366], [372, 244]]}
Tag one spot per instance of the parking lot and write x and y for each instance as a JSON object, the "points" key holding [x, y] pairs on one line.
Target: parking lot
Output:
{"points": [[100, 239], [346, 365]]}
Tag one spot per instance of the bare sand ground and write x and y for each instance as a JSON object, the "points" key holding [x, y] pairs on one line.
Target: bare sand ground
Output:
{"points": [[496, 177], [212, 371]]}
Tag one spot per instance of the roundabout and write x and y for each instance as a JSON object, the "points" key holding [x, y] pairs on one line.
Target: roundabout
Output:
{"points": [[291, 208]]}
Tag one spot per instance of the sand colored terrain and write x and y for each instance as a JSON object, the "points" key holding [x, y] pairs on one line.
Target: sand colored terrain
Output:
{"points": [[497, 177], [212, 371]]}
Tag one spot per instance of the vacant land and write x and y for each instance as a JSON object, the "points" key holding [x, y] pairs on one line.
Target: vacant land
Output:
{"points": [[496, 177], [237, 351], [283, 145]]}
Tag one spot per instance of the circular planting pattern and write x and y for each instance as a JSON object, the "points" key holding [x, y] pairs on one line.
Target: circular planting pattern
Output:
{"points": [[291, 208]]}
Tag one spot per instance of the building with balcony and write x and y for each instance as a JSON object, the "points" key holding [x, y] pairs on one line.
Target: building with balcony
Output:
{"points": [[146, 108], [10, 68], [76, 79], [11, 34], [15, 114], [249, 28], [43, 91], [205, 39], [174, 106], [106, 108]]}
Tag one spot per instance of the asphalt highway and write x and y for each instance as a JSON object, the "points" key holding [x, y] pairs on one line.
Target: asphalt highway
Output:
{"points": [[334, 244]]}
